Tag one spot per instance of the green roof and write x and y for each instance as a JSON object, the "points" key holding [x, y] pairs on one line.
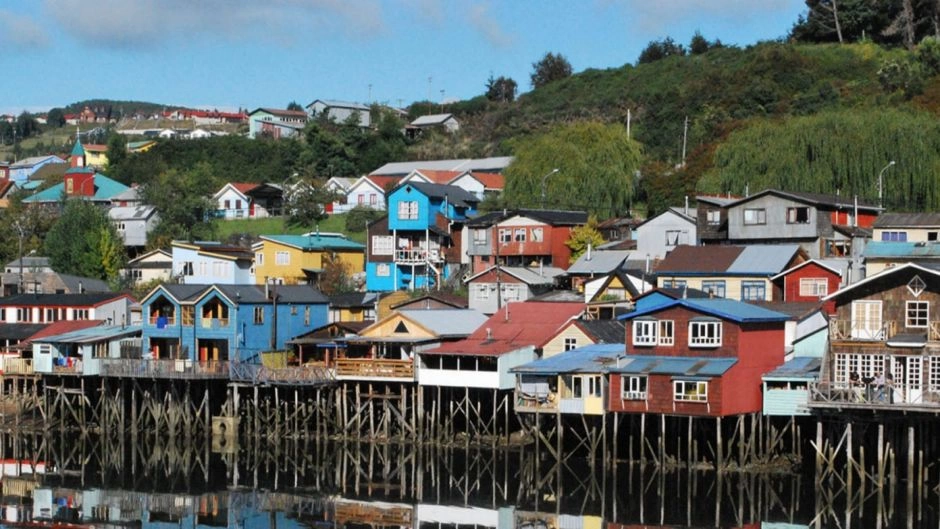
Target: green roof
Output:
{"points": [[105, 188], [315, 242], [78, 150]]}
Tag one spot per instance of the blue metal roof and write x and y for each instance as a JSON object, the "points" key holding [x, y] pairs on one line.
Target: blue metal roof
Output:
{"points": [[901, 249], [689, 366], [728, 309], [93, 334], [763, 259], [588, 359], [800, 367]]}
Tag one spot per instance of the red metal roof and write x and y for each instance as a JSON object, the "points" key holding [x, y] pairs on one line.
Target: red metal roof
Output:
{"points": [[385, 182], [440, 177], [63, 326], [243, 187], [517, 325], [490, 180]]}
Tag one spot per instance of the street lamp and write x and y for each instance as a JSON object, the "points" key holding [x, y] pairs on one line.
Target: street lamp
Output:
{"points": [[881, 184], [544, 179]]}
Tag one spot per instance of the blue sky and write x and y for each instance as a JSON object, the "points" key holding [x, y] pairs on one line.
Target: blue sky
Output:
{"points": [[252, 53]]}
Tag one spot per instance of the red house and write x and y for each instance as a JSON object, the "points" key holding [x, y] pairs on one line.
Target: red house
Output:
{"points": [[811, 280], [697, 357], [528, 238]]}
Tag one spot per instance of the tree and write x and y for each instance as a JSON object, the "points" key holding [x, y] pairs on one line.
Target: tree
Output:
{"points": [[305, 202], [336, 277], [359, 218], [660, 49], [26, 125], [293, 105], [180, 198], [596, 165], [549, 68], [84, 242], [501, 89], [117, 149], [584, 237], [55, 117]]}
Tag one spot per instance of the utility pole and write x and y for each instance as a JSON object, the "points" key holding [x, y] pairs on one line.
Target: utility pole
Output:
{"points": [[685, 138], [429, 89]]}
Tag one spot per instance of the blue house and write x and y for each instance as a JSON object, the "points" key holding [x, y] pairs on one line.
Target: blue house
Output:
{"points": [[418, 244], [218, 323], [21, 171]]}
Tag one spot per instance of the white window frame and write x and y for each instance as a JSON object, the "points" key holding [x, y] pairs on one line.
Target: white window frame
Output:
{"points": [[282, 258], [481, 291], [919, 306], [710, 338], [713, 217], [383, 270], [519, 235], [505, 235], [680, 390], [479, 236], [645, 333], [755, 216], [594, 385], [383, 245], [633, 387], [408, 210], [259, 258], [720, 287], [815, 287], [537, 235]]}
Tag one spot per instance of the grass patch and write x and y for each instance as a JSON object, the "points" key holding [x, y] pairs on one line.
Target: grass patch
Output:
{"points": [[278, 226]]}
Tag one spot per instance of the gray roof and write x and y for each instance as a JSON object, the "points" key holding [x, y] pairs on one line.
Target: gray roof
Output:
{"points": [[131, 212], [431, 119], [604, 331], [494, 164], [907, 220], [93, 334], [800, 367], [285, 293], [599, 262], [31, 262], [717, 201], [130, 195], [455, 194], [84, 284], [763, 259], [447, 322], [33, 160], [339, 104], [530, 276]]}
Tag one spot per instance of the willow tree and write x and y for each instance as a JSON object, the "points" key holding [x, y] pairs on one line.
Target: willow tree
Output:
{"points": [[595, 163], [836, 152]]}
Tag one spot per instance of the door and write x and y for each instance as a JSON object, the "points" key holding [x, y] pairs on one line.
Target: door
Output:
{"points": [[908, 379], [866, 320]]}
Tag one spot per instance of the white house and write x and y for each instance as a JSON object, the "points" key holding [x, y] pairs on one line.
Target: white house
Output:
{"points": [[134, 223], [276, 123], [659, 235], [340, 111], [237, 200], [339, 185], [446, 122], [48, 308], [80, 351], [153, 265], [205, 263], [370, 191]]}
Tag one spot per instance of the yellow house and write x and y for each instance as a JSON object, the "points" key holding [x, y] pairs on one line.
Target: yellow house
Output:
{"points": [[578, 333], [96, 155], [300, 259]]}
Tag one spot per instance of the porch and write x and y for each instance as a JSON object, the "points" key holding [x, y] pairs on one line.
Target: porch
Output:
{"points": [[860, 330], [374, 369], [164, 368], [309, 374], [897, 397]]}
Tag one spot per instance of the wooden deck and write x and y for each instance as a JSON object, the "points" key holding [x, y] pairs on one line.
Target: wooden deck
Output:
{"points": [[374, 369], [312, 374], [824, 395], [18, 366], [170, 369]]}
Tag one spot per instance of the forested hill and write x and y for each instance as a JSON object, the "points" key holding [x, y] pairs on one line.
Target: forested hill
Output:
{"points": [[815, 117]]}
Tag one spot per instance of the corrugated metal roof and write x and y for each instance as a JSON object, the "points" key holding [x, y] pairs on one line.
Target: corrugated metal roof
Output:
{"points": [[431, 119], [457, 195], [800, 367], [675, 365], [901, 249], [447, 322], [729, 309], [588, 359], [599, 262], [767, 259], [907, 220], [497, 163], [92, 334], [699, 259], [105, 189], [315, 242], [131, 212]]}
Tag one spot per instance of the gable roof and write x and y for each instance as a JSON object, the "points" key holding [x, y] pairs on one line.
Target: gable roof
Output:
{"points": [[105, 190], [438, 176], [151, 253], [726, 309], [216, 249], [489, 180], [91, 334], [255, 294], [131, 212], [457, 195], [887, 272], [352, 300], [799, 367], [813, 199], [280, 112], [493, 164], [552, 217], [514, 326], [431, 119], [677, 211], [599, 262], [453, 300], [828, 264], [907, 220], [765, 259], [715, 200], [603, 331], [61, 327], [25, 163], [87, 299], [684, 366], [528, 276], [756, 260], [446, 323], [332, 103]]}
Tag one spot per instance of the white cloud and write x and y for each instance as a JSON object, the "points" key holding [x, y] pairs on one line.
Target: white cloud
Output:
{"points": [[153, 23], [486, 25], [21, 32], [657, 16]]}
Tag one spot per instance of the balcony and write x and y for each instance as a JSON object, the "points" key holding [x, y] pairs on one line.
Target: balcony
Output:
{"points": [[214, 323], [163, 368], [161, 322], [865, 331], [897, 397], [310, 374], [17, 366], [418, 256], [373, 368]]}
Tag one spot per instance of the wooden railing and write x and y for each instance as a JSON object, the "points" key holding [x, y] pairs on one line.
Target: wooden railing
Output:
{"points": [[374, 368], [901, 396], [843, 330], [305, 375], [17, 366], [163, 368]]}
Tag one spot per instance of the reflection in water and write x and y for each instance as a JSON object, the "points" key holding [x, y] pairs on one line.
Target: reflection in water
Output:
{"points": [[284, 485]]}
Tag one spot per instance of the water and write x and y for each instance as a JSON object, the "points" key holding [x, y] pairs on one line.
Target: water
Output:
{"points": [[161, 484]]}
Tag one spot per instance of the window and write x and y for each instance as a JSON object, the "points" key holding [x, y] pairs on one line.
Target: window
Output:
{"points": [[383, 270], [895, 236], [595, 387], [753, 291], [577, 387], [202, 267], [511, 293], [479, 237], [713, 217], [690, 390], [505, 235], [23, 315], [228, 204], [238, 204], [715, 288], [187, 314], [218, 268], [383, 245], [81, 314], [259, 315], [917, 314], [676, 237], [653, 332], [571, 343], [373, 199], [306, 316], [186, 268], [408, 210], [932, 236], [632, 387], [361, 199], [815, 287], [282, 258], [481, 292], [704, 333], [755, 216], [259, 258], [536, 234], [519, 235], [798, 215], [674, 283]]}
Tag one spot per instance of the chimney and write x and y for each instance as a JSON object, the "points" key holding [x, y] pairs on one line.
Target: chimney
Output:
{"points": [[81, 288], [589, 248], [266, 293], [686, 206], [855, 219]]}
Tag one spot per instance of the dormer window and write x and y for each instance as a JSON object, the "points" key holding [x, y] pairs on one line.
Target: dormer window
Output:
{"points": [[705, 332]]}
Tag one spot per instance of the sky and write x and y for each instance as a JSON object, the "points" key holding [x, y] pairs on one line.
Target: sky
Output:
{"points": [[229, 54]]}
